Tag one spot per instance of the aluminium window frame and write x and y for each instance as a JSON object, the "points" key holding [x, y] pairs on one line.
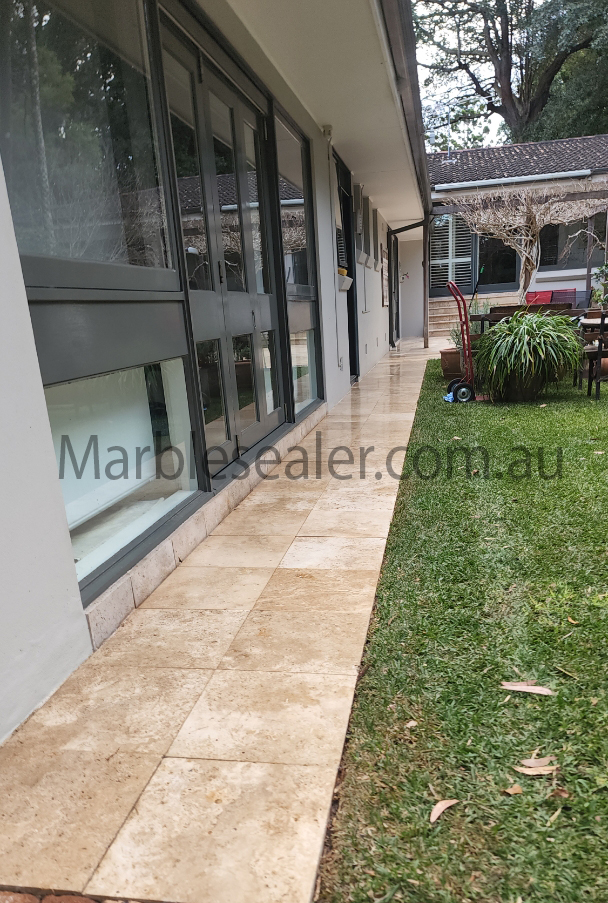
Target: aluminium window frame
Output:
{"points": [[232, 67], [47, 277]]}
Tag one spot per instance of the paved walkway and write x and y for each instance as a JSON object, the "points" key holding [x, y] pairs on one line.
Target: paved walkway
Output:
{"points": [[192, 758]]}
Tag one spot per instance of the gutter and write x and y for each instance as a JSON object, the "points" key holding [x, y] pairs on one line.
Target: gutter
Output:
{"points": [[514, 180], [399, 31]]}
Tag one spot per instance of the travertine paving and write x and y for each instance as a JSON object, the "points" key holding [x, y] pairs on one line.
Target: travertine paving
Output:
{"points": [[193, 757]]}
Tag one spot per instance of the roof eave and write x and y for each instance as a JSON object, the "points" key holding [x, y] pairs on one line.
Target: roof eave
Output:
{"points": [[399, 27]]}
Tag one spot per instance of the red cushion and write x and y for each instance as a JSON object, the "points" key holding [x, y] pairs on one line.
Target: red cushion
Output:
{"points": [[539, 297]]}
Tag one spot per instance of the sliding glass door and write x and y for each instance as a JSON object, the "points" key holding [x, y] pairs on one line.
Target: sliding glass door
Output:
{"points": [[218, 150]]}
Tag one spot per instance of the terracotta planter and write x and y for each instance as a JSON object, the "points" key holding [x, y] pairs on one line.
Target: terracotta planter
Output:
{"points": [[450, 363]]}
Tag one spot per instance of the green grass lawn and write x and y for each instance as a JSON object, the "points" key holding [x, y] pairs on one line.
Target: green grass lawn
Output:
{"points": [[480, 579]]}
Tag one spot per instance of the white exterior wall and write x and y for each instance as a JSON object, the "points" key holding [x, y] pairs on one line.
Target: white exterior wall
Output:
{"points": [[411, 293], [372, 318], [44, 634]]}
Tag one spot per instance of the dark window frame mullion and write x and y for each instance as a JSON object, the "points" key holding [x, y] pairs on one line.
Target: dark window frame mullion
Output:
{"points": [[166, 150], [271, 168]]}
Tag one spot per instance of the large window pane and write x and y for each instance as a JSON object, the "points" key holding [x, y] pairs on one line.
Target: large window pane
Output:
{"points": [[303, 367], [497, 262], [187, 163], [252, 153], [210, 372], [123, 447], [225, 168], [294, 213], [245, 383], [565, 247], [78, 139]]}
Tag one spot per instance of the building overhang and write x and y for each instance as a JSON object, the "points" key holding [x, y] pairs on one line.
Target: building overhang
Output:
{"points": [[352, 65]]}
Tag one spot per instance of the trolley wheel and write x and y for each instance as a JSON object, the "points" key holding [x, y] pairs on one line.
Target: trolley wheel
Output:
{"points": [[464, 392], [453, 383]]}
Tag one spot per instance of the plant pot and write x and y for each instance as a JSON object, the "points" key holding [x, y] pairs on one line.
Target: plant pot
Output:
{"points": [[450, 363], [517, 391]]}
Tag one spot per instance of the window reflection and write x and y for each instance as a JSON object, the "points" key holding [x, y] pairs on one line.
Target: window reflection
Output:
{"points": [[252, 154], [124, 454], [187, 164], [303, 368], [78, 141], [269, 364], [294, 214], [225, 168], [245, 384], [210, 374]]}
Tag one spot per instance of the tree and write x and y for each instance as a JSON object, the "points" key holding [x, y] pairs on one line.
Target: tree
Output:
{"points": [[507, 53], [578, 103], [517, 216]]}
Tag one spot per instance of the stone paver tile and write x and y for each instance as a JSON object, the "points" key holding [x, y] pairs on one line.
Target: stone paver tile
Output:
{"points": [[60, 809], [153, 638], [221, 832], [353, 521], [316, 590], [258, 716], [106, 708], [240, 551], [256, 516], [195, 587], [281, 487], [334, 552], [329, 643]]}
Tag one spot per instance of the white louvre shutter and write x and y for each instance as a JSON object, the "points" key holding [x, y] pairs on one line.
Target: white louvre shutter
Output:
{"points": [[461, 253], [440, 252], [450, 253]]}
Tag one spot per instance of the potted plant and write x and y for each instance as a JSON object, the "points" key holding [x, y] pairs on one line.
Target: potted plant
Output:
{"points": [[522, 355], [450, 362], [601, 295]]}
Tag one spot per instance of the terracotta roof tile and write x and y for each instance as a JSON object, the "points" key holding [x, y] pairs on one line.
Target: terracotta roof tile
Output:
{"points": [[509, 160]]}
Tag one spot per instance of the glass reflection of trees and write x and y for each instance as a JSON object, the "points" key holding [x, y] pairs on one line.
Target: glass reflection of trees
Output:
{"points": [[77, 135]]}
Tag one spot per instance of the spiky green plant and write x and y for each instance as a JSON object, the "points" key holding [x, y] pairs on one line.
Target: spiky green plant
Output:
{"points": [[522, 355]]}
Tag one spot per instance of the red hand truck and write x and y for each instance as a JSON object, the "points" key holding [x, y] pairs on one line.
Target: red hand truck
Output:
{"points": [[463, 388]]}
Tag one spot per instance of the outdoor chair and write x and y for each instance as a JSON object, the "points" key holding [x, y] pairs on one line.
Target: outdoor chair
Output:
{"points": [[561, 295], [595, 351], [539, 297]]}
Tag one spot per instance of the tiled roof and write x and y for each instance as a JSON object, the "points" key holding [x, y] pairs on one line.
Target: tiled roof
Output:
{"points": [[190, 190], [509, 160]]}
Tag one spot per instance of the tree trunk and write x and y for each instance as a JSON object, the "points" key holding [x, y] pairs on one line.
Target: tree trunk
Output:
{"points": [[43, 173]]}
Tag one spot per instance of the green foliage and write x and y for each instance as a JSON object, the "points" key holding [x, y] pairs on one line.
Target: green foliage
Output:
{"points": [[578, 101], [504, 53], [522, 355]]}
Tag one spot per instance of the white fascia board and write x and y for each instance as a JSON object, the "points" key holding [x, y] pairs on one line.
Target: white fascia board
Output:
{"points": [[514, 180]]}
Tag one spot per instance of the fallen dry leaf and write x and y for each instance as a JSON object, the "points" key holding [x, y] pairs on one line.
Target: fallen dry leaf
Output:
{"points": [[506, 699], [572, 621], [554, 816], [543, 405], [526, 686], [412, 724], [559, 793], [439, 809], [536, 769], [456, 439], [512, 791], [594, 700], [567, 673], [476, 471], [598, 453], [531, 763]]}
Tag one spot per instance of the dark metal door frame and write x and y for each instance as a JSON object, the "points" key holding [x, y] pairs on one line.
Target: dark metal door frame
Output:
{"points": [[345, 194]]}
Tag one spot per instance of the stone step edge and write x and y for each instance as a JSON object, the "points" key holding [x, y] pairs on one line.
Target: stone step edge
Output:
{"points": [[37, 895]]}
